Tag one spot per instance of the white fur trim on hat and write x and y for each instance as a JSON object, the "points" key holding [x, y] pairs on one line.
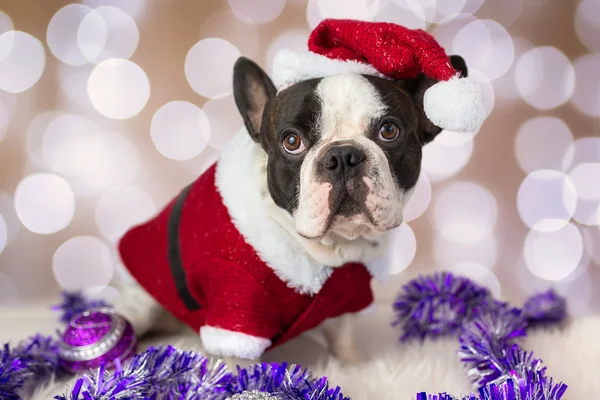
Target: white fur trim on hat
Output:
{"points": [[290, 67], [457, 105], [224, 343]]}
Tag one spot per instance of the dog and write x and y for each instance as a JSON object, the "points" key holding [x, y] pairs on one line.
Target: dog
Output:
{"points": [[317, 179]]}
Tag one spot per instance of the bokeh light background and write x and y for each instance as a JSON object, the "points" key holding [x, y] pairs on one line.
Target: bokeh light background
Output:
{"points": [[109, 107]]}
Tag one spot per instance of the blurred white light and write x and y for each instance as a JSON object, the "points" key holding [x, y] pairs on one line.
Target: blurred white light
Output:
{"points": [[576, 288], [583, 150], [448, 9], [587, 24], [121, 208], [198, 165], [313, 15], [3, 233], [403, 246], [542, 143], [134, 8], [9, 215], [586, 177], [64, 136], [227, 26], [531, 284], [105, 161], [257, 11], [44, 203], [420, 199], [118, 89], [209, 67], [506, 12], [92, 159], [9, 295], [106, 293], [486, 46], [295, 40], [225, 121], [472, 6], [587, 87], [83, 263], [341, 9], [506, 85], [180, 130], [22, 61], [6, 23], [4, 120], [449, 138], [62, 34], [390, 12], [578, 293], [479, 274], [441, 162], [545, 77], [426, 9], [546, 200], [448, 252], [107, 32], [553, 256], [591, 241], [73, 84], [586, 212], [35, 133], [465, 212], [445, 33]]}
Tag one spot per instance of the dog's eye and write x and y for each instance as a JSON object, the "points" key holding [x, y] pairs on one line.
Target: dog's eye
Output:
{"points": [[389, 132], [292, 143]]}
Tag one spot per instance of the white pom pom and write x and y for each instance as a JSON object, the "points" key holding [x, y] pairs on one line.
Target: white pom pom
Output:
{"points": [[457, 105]]}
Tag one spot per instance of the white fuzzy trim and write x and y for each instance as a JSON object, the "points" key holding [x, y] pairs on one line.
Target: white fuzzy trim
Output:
{"points": [[223, 343], [290, 67], [240, 178], [457, 105]]}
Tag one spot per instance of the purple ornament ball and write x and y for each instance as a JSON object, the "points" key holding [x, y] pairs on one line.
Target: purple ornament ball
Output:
{"points": [[94, 338]]}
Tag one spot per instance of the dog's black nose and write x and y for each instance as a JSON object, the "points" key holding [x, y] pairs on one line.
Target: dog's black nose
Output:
{"points": [[343, 158]]}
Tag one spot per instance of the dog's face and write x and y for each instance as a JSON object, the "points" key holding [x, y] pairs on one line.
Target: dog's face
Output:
{"points": [[344, 152]]}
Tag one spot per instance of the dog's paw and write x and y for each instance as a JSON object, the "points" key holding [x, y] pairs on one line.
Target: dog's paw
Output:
{"points": [[350, 355], [136, 306]]}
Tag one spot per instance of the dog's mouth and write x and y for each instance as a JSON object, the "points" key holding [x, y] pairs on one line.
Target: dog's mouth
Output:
{"points": [[347, 217], [350, 210]]}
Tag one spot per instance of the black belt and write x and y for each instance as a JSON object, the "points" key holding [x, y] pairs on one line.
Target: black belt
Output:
{"points": [[174, 252]]}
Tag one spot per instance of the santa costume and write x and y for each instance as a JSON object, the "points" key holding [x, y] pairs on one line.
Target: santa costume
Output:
{"points": [[214, 257]]}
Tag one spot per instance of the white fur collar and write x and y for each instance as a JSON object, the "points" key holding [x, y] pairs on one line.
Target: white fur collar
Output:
{"points": [[304, 265]]}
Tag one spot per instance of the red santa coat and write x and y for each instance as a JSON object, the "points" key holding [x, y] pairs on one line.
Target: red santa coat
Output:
{"points": [[198, 266]]}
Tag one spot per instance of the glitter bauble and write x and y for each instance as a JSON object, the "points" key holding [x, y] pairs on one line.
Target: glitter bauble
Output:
{"points": [[96, 337], [253, 395]]}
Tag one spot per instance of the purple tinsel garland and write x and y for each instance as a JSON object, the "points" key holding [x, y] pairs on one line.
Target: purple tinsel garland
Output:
{"points": [[31, 361], [488, 334], [74, 303], [431, 306]]}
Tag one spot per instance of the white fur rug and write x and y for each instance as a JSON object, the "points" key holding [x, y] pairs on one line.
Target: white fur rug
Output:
{"points": [[396, 371]]}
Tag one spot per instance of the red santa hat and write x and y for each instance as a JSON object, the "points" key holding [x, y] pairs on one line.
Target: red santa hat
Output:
{"points": [[390, 51]]}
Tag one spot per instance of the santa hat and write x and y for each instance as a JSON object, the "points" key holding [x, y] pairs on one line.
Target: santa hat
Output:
{"points": [[390, 51]]}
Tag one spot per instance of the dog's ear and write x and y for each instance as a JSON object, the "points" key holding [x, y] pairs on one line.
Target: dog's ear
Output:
{"points": [[427, 131], [252, 89]]}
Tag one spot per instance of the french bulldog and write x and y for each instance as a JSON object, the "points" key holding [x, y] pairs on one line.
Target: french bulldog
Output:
{"points": [[317, 179]]}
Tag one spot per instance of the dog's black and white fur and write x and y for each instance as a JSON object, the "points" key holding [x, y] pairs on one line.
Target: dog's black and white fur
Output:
{"points": [[317, 178]]}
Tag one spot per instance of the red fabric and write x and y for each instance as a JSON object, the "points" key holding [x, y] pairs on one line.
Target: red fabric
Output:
{"points": [[393, 50], [236, 289]]}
